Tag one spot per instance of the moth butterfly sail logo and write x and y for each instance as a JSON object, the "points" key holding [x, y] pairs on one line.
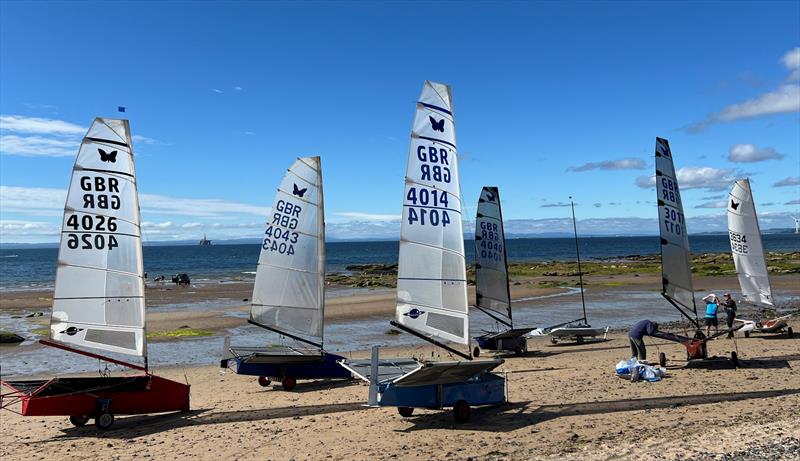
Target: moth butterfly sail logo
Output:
{"points": [[490, 196], [107, 156], [436, 125], [734, 205], [297, 191]]}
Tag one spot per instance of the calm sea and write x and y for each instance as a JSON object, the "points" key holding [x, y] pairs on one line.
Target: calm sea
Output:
{"points": [[35, 268]]}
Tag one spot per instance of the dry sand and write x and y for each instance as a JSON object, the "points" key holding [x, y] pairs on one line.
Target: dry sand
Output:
{"points": [[565, 403]]}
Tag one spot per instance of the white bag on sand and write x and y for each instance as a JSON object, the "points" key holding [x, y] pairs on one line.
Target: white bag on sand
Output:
{"points": [[636, 370]]}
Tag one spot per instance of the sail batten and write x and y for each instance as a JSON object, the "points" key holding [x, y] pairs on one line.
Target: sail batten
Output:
{"points": [[99, 294], [746, 246], [675, 258], [289, 291], [491, 273], [431, 283]]}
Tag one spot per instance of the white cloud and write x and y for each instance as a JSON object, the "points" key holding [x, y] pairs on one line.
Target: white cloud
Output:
{"points": [[32, 201], [359, 216], [792, 62], [696, 177], [37, 146], [713, 204], [216, 90], [749, 153], [22, 124], [793, 202], [137, 138], [238, 88], [790, 181], [555, 205], [621, 164]]}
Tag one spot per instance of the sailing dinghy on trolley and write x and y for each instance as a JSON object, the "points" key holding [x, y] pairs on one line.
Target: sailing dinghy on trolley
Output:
{"points": [[99, 300], [748, 257], [289, 291], [676, 271], [492, 294], [577, 329], [431, 280]]}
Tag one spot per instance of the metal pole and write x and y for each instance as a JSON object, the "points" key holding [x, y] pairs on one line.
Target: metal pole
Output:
{"points": [[578, 253]]}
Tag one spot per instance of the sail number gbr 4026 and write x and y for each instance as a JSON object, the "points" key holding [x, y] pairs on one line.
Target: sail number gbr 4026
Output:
{"points": [[95, 231]]}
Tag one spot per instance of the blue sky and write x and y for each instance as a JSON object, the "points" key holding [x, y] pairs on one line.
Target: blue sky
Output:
{"points": [[551, 100]]}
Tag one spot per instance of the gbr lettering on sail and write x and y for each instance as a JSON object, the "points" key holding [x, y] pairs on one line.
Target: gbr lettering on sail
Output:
{"points": [[93, 230]]}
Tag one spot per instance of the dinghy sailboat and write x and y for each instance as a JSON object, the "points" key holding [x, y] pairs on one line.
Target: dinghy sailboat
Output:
{"points": [[577, 329], [289, 291], [676, 272], [431, 279], [99, 299], [492, 293], [748, 257]]}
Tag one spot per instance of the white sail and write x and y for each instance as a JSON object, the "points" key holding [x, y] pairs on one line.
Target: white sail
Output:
{"points": [[431, 281], [289, 291], [675, 260], [491, 269], [99, 294], [748, 253]]}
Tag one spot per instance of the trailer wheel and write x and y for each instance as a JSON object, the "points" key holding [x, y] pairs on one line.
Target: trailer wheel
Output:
{"points": [[553, 340], [78, 421], [461, 411], [579, 339], [735, 359], [405, 412], [518, 351], [790, 332], [746, 334], [662, 359], [264, 381], [104, 421], [288, 383], [476, 352]]}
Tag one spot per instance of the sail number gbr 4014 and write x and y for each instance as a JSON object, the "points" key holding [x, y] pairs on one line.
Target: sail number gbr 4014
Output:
{"points": [[280, 233], [427, 206]]}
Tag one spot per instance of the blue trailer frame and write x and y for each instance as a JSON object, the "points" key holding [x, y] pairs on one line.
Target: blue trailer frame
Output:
{"points": [[287, 365]]}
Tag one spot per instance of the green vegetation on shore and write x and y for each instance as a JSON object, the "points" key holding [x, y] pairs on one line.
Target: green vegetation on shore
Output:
{"points": [[706, 264], [183, 332]]}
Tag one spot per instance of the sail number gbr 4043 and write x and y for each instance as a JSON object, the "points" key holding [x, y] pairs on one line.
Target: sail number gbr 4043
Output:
{"points": [[280, 233]]}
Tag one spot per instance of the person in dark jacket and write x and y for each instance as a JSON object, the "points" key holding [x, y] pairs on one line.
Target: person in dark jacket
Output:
{"points": [[730, 310], [635, 336]]}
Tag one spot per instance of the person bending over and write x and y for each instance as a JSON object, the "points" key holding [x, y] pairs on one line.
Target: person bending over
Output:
{"points": [[712, 306], [635, 336], [730, 310]]}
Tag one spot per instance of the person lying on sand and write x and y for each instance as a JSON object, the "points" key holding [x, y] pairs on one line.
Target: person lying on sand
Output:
{"points": [[636, 335]]}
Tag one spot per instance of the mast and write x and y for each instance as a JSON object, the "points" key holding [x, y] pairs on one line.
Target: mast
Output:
{"points": [[431, 274], [289, 292], [578, 253]]}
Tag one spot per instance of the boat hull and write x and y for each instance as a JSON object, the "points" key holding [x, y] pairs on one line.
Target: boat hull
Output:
{"points": [[486, 389], [492, 343], [298, 367], [87, 396]]}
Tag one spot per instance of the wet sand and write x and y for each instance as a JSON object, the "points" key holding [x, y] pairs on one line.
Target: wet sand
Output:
{"points": [[564, 403]]}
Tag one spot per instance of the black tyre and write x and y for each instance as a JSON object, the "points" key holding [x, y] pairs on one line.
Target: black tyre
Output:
{"points": [[790, 332], [264, 381], [78, 421], [553, 340], [579, 340], [735, 359], [104, 421], [476, 352], [461, 411], [662, 359], [288, 383], [746, 334], [519, 351], [405, 412]]}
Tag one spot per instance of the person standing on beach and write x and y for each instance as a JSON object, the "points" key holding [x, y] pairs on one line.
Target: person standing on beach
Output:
{"points": [[712, 306], [636, 337], [730, 310]]}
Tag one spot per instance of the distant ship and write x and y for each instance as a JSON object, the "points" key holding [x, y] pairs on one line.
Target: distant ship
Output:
{"points": [[205, 241]]}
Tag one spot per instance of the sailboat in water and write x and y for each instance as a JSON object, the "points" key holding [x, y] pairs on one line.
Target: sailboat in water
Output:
{"points": [[289, 291], [99, 299], [676, 269], [431, 279], [492, 293], [748, 257]]}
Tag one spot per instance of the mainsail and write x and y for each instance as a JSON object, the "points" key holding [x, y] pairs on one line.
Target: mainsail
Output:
{"points": [[675, 260], [99, 294], [491, 269], [431, 280], [748, 253], [289, 291]]}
